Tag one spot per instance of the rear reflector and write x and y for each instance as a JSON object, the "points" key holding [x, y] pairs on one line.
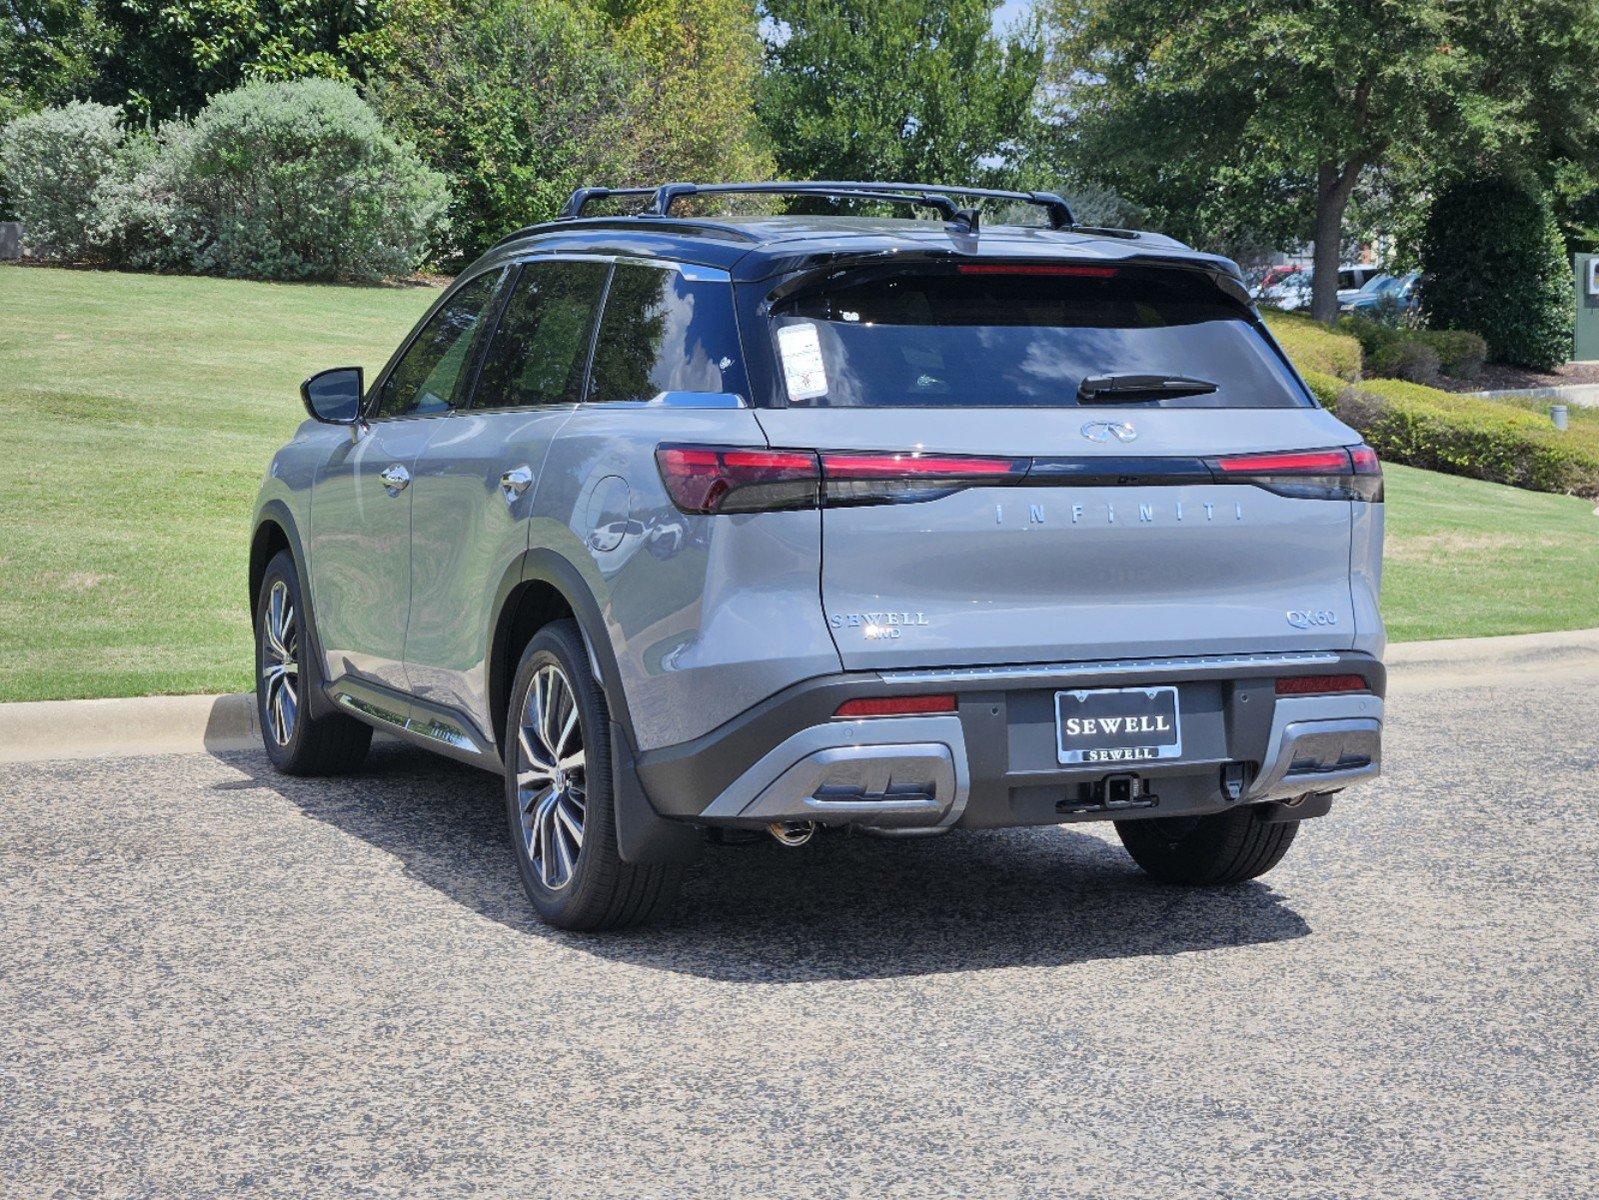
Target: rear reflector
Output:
{"points": [[1306, 685], [896, 706], [1072, 270]]}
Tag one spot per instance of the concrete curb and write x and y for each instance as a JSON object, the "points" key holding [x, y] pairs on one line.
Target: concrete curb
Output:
{"points": [[1583, 394], [1564, 649], [49, 729], [147, 725]]}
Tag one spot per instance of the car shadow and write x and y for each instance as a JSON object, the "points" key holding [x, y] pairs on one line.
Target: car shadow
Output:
{"points": [[840, 908]]}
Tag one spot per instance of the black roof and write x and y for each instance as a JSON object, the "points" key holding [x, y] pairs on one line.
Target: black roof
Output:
{"points": [[759, 247]]}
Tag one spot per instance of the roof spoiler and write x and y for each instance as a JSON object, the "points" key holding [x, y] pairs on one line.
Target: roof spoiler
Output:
{"points": [[926, 195]]}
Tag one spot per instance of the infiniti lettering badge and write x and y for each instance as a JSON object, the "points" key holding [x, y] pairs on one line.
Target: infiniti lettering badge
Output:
{"points": [[1104, 431]]}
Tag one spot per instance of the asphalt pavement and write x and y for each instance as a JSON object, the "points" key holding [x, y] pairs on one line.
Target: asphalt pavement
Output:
{"points": [[218, 982]]}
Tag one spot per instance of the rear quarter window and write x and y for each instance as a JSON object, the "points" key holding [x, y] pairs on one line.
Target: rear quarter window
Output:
{"points": [[663, 332]]}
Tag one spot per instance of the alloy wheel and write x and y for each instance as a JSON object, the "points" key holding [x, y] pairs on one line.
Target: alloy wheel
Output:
{"points": [[551, 780], [280, 664]]}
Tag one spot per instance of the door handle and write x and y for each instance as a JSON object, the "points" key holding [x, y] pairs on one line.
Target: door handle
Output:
{"points": [[395, 478], [516, 481]]}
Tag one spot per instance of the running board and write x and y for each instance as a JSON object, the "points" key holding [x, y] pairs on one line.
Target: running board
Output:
{"points": [[433, 726]]}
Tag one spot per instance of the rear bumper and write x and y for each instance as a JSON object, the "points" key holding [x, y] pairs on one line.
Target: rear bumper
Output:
{"points": [[993, 762]]}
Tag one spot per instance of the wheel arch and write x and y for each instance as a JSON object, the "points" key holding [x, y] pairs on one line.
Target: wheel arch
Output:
{"points": [[543, 586], [275, 531], [539, 587]]}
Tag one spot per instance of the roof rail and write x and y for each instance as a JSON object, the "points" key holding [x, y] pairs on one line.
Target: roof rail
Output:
{"points": [[927, 194]]}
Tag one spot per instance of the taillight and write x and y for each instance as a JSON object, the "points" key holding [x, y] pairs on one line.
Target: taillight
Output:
{"points": [[720, 479], [1368, 473], [897, 478], [726, 479], [1309, 685], [1332, 474], [896, 706]]}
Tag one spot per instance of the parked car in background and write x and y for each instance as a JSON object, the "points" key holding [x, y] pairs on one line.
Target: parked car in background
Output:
{"points": [[1374, 285], [1288, 286], [689, 524], [1355, 278], [1288, 290], [1386, 293], [1272, 276]]}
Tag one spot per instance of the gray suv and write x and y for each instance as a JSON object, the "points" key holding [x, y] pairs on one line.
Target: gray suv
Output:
{"points": [[689, 525]]}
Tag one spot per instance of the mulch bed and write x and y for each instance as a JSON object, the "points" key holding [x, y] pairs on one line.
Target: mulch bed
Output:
{"points": [[1498, 377]]}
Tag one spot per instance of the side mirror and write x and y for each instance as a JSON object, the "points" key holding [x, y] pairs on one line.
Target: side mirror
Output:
{"points": [[334, 396]]}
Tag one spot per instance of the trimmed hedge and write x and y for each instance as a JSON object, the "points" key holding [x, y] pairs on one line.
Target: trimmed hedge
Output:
{"points": [[1418, 355], [1326, 388], [1461, 353], [1465, 435], [1314, 347]]}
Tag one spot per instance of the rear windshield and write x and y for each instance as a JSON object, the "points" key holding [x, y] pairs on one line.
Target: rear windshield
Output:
{"points": [[1005, 339]]}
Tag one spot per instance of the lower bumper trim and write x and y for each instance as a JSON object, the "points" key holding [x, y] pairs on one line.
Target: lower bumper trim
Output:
{"points": [[1321, 756]]}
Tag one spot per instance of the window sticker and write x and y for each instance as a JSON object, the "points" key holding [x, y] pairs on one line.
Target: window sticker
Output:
{"points": [[801, 350]]}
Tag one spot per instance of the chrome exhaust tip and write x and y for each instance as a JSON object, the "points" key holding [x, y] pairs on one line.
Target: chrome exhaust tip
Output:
{"points": [[792, 833]]}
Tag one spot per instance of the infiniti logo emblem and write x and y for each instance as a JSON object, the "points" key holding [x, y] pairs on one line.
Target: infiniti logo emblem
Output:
{"points": [[1103, 431]]}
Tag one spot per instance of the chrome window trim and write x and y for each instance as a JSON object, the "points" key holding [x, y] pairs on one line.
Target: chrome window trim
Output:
{"points": [[1124, 666], [693, 272], [370, 400]]}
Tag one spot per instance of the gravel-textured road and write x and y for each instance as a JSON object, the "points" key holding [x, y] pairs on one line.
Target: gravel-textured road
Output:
{"points": [[217, 982]]}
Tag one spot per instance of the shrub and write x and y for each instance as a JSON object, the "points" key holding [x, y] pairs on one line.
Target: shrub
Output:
{"points": [[295, 181], [1461, 353], [1493, 262], [1466, 435], [53, 162], [1417, 355], [1414, 362], [1313, 347]]}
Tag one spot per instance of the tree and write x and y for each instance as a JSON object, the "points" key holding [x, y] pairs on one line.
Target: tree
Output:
{"points": [[1222, 116], [516, 101], [48, 52], [520, 101], [168, 56], [700, 63], [898, 90]]}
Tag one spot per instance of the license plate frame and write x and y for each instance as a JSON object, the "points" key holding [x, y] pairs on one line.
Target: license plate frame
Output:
{"points": [[1128, 750]]}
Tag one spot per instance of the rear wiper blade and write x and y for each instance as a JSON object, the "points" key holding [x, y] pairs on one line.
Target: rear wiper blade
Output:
{"points": [[1118, 389]]}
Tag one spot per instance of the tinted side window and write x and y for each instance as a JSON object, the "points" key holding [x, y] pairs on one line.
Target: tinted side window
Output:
{"points": [[425, 380], [541, 343], [664, 333]]}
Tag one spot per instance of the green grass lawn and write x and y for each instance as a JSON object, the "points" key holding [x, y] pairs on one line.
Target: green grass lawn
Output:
{"points": [[139, 411]]}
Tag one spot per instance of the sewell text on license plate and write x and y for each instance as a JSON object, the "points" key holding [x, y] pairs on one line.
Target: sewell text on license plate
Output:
{"points": [[1117, 725]]}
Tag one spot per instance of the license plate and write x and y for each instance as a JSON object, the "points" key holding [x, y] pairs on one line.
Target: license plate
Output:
{"points": [[1117, 725]]}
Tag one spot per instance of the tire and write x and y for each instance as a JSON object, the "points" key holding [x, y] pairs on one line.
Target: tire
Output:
{"points": [[285, 673], [561, 813], [1224, 848]]}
